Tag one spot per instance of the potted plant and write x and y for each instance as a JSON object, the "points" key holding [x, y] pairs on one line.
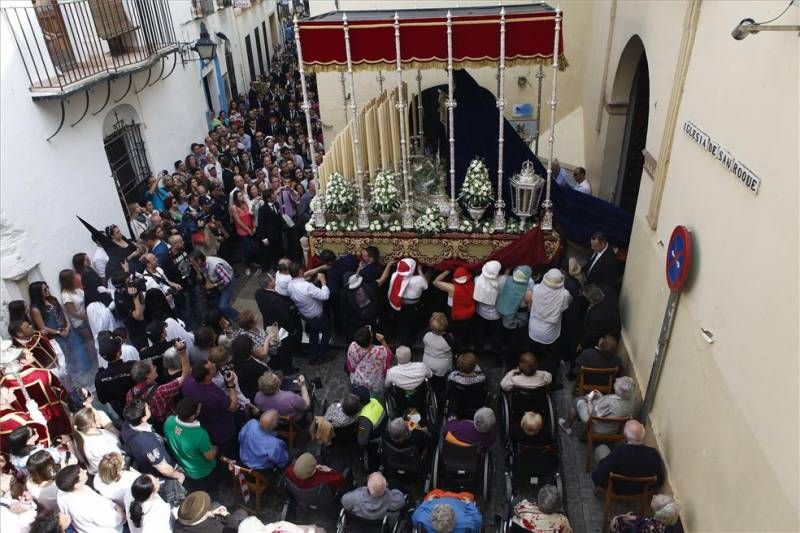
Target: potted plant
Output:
{"points": [[340, 196], [385, 195], [476, 191]]}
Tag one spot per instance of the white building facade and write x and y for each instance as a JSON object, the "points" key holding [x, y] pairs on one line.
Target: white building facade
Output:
{"points": [[134, 98]]}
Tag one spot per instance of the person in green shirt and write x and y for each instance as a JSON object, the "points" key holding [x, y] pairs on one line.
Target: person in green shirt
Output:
{"points": [[192, 446]]}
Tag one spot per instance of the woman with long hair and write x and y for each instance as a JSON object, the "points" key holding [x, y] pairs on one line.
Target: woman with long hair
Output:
{"points": [[80, 339], [18, 311], [91, 441], [147, 512], [125, 250], [49, 319], [42, 470], [245, 228]]}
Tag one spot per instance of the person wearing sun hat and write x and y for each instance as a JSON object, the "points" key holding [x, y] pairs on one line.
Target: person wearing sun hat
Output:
{"points": [[514, 315], [548, 300], [487, 289], [199, 514], [462, 306], [405, 291]]}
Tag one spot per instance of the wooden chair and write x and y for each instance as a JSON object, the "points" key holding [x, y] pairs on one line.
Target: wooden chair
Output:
{"points": [[593, 437], [287, 430], [607, 374], [643, 497], [256, 483]]}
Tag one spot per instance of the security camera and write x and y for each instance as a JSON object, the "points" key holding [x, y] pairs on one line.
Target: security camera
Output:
{"points": [[743, 29]]}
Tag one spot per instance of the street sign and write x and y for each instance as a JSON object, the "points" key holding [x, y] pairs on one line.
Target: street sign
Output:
{"points": [[679, 258]]}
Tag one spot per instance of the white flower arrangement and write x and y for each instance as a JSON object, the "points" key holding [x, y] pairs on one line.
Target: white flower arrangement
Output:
{"points": [[340, 195], [316, 204], [431, 222], [476, 190], [394, 226], [333, 225], [467, 226], [309, 226], [350, 225], [385, 194], [513, 226]]}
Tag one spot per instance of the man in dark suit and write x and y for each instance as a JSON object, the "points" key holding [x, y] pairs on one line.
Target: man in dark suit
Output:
{"points": [[269, 230], [602, 315], [601, 268], [279, 309], [632, 459]]}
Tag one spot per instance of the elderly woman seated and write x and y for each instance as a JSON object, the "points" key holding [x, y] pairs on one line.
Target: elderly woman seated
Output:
{"points": [[401, 436], [286, 403], [665, 515], [530, 427], [619, 404], [479, 431], [544, 515], [306, 473], [467, 371], [374, 501], [527, 374], [344, 413], [446, 512]]}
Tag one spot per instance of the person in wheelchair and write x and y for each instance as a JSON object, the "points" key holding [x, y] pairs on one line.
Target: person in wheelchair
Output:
{"points": [[530, 426], [543, 516], [401, 436], [445, 512], [480, 431], [374, 501], [527, 375], [406, 375], [371, 419], [467, 371]]}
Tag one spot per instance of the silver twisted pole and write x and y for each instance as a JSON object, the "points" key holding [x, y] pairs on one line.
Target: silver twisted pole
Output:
{"points": [[453, 219], [408, 214], [420, 134], [539, 78], [344, 98], [319, 219], [547, 218], [499, 206], [363, 218]]}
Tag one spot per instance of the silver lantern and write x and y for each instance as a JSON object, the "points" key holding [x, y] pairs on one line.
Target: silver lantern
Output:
{"points": [[526, 191]]}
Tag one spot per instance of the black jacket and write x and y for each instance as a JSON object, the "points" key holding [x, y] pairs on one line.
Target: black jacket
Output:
{"points": [[601, 318], [604, 272], [633, 460], [277, 308], [270, 224]]}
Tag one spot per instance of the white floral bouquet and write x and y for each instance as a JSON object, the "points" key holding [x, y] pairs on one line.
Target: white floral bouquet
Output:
{"points": [[431, 222], [513, 226], [467, 226], [334, 225], [389, 225], [476, 190], [385, 194], [340, 195]]}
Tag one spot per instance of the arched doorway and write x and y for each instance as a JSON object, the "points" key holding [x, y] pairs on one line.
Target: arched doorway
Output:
{"points": [[627, 126]]}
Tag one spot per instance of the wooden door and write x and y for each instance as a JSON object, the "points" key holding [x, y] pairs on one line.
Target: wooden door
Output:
{"points": [[51, 21]]}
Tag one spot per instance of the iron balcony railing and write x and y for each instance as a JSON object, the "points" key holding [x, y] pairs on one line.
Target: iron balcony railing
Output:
{"points": [[65, 44]]}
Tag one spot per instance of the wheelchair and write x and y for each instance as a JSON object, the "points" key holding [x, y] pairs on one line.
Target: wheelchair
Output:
{"points": [[531, 462], [406, 462], [319, 498], [423, 399], [351, 523], [462, 468], [462, 401]]}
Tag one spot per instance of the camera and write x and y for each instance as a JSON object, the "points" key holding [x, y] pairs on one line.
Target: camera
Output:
{"points": [[139, 284], [226, 370]]}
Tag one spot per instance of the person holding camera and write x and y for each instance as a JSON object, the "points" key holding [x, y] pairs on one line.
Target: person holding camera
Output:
{"points": [[129, 306], [159, 398], [155, 278]]}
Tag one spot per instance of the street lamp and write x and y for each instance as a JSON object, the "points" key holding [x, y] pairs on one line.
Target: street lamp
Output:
{"points": [[205, 47]]}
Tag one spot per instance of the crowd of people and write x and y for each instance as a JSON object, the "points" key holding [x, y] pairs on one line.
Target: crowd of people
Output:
{"points": [[149, 387]]}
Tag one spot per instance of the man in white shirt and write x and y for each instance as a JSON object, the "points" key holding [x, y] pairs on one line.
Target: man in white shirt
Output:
{"points": [[282, 276], [90, 512], [99, 261], [309, 300], [581, 185], [407, 375], [561, 176]]}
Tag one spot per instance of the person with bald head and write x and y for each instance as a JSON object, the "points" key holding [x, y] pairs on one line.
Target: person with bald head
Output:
{"points": [[259, 448], [374, 501], [632, 459], [406, 374]]}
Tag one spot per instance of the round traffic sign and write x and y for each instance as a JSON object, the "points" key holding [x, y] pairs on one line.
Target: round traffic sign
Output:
{"points": [[679, 258]]}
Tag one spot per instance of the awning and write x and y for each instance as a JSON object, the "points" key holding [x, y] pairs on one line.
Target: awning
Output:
{"points": [[423, 38]]}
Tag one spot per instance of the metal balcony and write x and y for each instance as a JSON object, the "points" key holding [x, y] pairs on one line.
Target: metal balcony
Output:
{"points": [[68, 46]]}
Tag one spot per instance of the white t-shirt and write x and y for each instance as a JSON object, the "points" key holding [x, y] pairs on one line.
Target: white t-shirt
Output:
{"points": [[546, 329], [45, 495], [99, 261], [282, 283], [157, 515], [416, 286], [584, 187], [90, 512], [116, 490], [437, 355], [96, 446], [77, 299]]}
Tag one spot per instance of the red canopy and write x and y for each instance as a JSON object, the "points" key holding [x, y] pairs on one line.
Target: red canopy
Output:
{"points": [[423, 38]]}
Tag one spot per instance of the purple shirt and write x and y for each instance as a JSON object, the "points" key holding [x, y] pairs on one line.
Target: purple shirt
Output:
{"points": [[214, 415], [285, 402], [464, 430]]}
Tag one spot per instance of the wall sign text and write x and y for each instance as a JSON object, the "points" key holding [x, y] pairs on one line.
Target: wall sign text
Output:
{"points": [[744, 175]]}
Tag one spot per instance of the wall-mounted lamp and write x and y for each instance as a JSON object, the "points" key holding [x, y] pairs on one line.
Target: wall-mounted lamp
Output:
{"points": [[748, 26], [205, 47]]}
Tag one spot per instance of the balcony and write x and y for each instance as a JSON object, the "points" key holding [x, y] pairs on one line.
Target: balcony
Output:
{"points": [[67, 46]]}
